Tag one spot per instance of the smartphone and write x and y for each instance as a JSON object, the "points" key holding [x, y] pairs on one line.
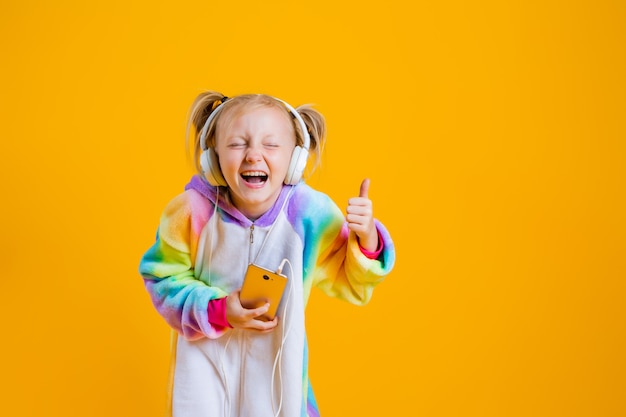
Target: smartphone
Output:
{"points": [[262, 286]]}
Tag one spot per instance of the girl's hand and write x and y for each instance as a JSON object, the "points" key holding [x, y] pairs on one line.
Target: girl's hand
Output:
{"points": [[360, 217], [243, 318]]}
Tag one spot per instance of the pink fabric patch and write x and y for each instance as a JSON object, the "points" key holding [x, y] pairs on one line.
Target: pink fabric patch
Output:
{"points": [[376, 253], [217, 313]]}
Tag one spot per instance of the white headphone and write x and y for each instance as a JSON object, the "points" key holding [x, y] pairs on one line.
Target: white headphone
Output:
{"points": [[210, 164]]}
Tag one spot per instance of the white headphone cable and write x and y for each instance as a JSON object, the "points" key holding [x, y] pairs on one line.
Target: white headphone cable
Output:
{"points": [[227, 405], [214, 220], [285, 333], [272, 227], [224, 378], [279, 354]]}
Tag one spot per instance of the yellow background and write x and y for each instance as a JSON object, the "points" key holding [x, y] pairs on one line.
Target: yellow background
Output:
{"points": [[493, 133]]}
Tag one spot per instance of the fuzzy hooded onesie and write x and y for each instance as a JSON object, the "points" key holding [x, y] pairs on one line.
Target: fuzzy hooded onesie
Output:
{"points": [[202, 253]]}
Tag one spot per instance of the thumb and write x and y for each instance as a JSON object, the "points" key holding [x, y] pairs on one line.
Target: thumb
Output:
{"points": [[365, 186]]}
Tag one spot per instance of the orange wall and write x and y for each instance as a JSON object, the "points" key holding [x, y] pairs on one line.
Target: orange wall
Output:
{"points": [[494, 136]]}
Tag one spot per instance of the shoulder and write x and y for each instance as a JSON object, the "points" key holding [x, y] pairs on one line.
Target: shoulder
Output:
{"points": [[305, 197], [187, 209], [312, 205], [186, 203]]}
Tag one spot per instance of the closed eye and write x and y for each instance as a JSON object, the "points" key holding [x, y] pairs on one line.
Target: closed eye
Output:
{"points": [[236, 145]]}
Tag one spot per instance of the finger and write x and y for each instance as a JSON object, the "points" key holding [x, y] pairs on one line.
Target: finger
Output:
{"points": [[363, 209], [265, 326], [365, 186], [259, 311]]}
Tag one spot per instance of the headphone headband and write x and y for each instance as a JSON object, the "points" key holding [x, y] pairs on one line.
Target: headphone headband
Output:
{"points": [[305, 133]]}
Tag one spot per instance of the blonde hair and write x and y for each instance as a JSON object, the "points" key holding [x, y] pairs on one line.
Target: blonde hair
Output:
{"points": [[208, 101]]}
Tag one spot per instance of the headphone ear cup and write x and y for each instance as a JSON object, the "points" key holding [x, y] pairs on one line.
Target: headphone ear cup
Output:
{"points": [[211, 168], [297, 164]]}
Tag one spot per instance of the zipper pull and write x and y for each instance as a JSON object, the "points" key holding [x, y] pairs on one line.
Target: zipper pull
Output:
{"points": [[252, 233]]}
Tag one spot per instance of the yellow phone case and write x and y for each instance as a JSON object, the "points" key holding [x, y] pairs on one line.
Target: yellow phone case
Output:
{"points": [[262, 286]]}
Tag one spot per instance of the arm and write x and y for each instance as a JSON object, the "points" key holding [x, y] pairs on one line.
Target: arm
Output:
{"points": [[345, 272], [336, 262], [168, 271]]}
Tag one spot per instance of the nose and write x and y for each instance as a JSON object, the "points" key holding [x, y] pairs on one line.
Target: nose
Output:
{"points": [[253, 154]]}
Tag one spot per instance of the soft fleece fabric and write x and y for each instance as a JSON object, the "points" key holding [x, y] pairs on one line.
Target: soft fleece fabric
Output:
{"points": [[199, 256]]}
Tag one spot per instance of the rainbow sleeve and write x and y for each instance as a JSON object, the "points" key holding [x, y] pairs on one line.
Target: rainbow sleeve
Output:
{"points": [[333, 260], [167, 269]]}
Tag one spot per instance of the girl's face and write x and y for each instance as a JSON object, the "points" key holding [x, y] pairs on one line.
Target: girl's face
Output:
{"points": [[254, 150]]}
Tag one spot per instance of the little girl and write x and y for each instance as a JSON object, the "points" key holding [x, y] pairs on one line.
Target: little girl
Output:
{"points": [[249, 205]]}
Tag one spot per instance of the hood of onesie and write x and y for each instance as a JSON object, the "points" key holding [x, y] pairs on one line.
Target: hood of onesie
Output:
{"points": [[220, 194]]}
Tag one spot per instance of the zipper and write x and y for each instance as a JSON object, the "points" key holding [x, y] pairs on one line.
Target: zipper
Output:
{"points": [[251, 243]]}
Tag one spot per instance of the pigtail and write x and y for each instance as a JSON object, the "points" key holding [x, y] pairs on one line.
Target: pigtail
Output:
{"points": [[199, 112], [316, 125]]}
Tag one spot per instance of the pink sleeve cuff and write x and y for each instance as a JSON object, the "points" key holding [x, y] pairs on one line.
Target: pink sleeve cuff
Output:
{"points": [[376, 253], [217, 313]]}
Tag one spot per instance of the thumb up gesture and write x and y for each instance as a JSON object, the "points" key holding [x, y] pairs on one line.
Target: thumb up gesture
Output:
{"points": [[360, 218]]}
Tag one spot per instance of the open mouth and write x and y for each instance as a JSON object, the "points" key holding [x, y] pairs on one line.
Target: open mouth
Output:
{"points": [[254, 177]]}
